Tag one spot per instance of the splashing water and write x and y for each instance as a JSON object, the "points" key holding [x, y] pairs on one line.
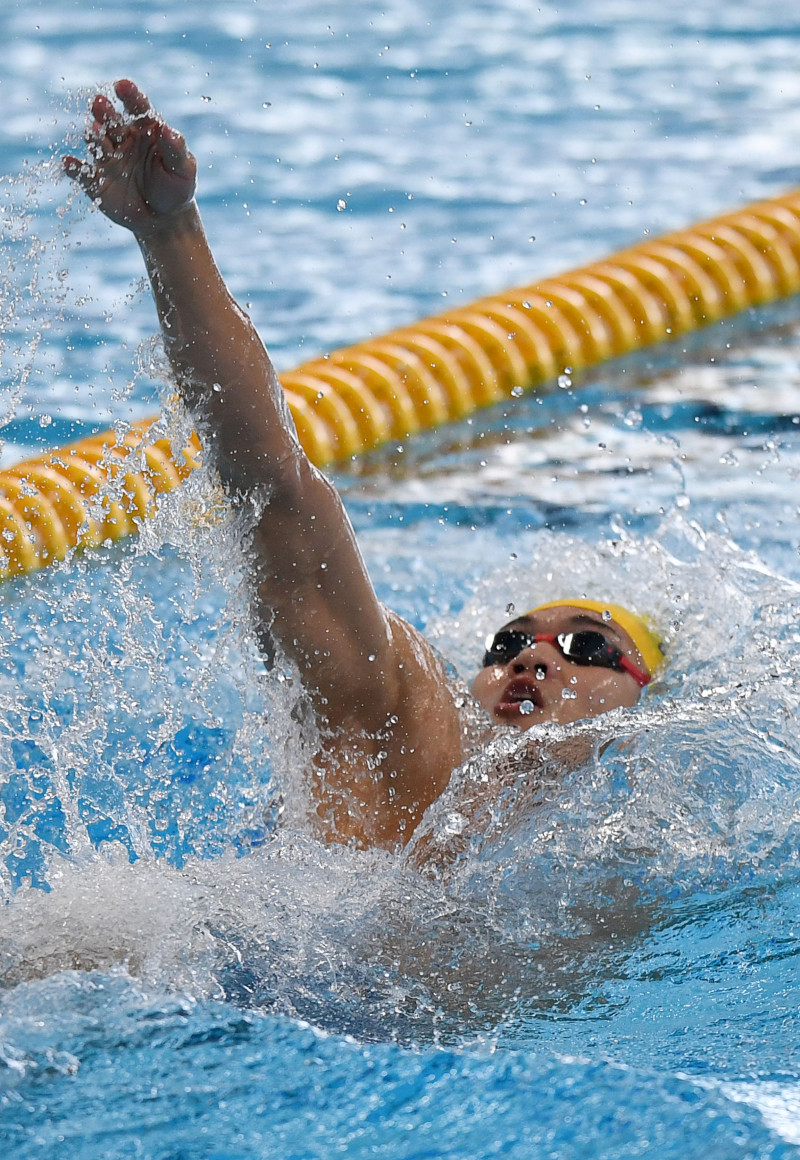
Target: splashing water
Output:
{"points": [[151, 754]]}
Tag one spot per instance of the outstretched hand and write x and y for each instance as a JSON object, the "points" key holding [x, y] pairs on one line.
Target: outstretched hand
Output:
{"points": [[140, 172]]}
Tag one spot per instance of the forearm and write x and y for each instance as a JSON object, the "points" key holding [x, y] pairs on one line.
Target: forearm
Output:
{"points": [[220, 365], [312, 582]]}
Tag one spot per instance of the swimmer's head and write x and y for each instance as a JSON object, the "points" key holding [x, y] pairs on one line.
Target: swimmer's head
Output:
{"points": [[566, 660]]}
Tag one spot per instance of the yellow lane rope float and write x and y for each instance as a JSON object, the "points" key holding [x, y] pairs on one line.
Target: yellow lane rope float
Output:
{"points": [[86, 494], [420, 376]]}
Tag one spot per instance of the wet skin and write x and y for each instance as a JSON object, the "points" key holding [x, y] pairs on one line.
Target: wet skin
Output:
{"points": [[530, 688]]}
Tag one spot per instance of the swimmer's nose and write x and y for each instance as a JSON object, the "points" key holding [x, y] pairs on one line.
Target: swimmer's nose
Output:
{"points": [[537, 667], [535, 659]]}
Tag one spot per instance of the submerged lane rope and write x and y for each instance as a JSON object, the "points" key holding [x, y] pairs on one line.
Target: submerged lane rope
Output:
{"points": [[420, 376]]}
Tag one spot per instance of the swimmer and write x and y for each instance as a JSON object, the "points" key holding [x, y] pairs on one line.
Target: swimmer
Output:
{"points": [[389, 719]]}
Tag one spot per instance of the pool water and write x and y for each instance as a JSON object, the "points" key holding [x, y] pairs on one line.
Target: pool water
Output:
{"points": [[602, 968]]}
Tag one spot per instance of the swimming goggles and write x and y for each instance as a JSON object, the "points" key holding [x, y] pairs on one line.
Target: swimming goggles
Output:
{"points": [[579, 648]]}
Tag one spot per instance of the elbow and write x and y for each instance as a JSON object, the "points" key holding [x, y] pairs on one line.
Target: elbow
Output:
{"points": [[282, 474]]}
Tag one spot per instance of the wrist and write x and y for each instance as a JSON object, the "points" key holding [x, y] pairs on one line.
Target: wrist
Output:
{"points": [[183, 222]]}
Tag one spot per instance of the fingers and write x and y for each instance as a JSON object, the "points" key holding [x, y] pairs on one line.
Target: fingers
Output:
{"points": [[72, 166], [103, 136], [133, 99], [103, 111], [107, 131], [110, 126], [79, 172]]}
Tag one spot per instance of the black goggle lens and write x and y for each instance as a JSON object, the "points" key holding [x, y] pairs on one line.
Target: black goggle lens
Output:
{"points": [[505, 645], [581, 648]]}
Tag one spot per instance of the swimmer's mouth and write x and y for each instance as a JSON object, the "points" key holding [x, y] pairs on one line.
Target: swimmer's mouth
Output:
{"points": [[517, 693]]}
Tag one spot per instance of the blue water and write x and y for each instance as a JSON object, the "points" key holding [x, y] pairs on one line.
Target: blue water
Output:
{"points": [[609, 971]]}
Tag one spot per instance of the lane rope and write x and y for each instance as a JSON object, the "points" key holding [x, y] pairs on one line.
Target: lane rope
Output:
{"points": [[91, 492], [98, 489]]}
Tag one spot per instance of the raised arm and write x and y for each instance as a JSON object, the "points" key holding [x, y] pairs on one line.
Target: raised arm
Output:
{"points": [[387, 714]]}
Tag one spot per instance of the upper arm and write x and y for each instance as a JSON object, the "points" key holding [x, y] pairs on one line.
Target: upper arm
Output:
{"points": [[317, 599], [384, 759], [388, 718]]}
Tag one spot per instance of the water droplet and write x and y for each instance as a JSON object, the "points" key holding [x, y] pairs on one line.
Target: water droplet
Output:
{"points": [[454, 823], [517, 392], [509, 609], [565, 382], [606, 615], [341, 204], [371, 657], [526, 708], [569, 695]]}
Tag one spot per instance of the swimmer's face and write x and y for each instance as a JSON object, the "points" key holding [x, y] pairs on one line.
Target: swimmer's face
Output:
{"points": [[539, 684]]}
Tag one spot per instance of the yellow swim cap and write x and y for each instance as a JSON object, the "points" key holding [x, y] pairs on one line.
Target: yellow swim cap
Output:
{"points": [[637, 628]]}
